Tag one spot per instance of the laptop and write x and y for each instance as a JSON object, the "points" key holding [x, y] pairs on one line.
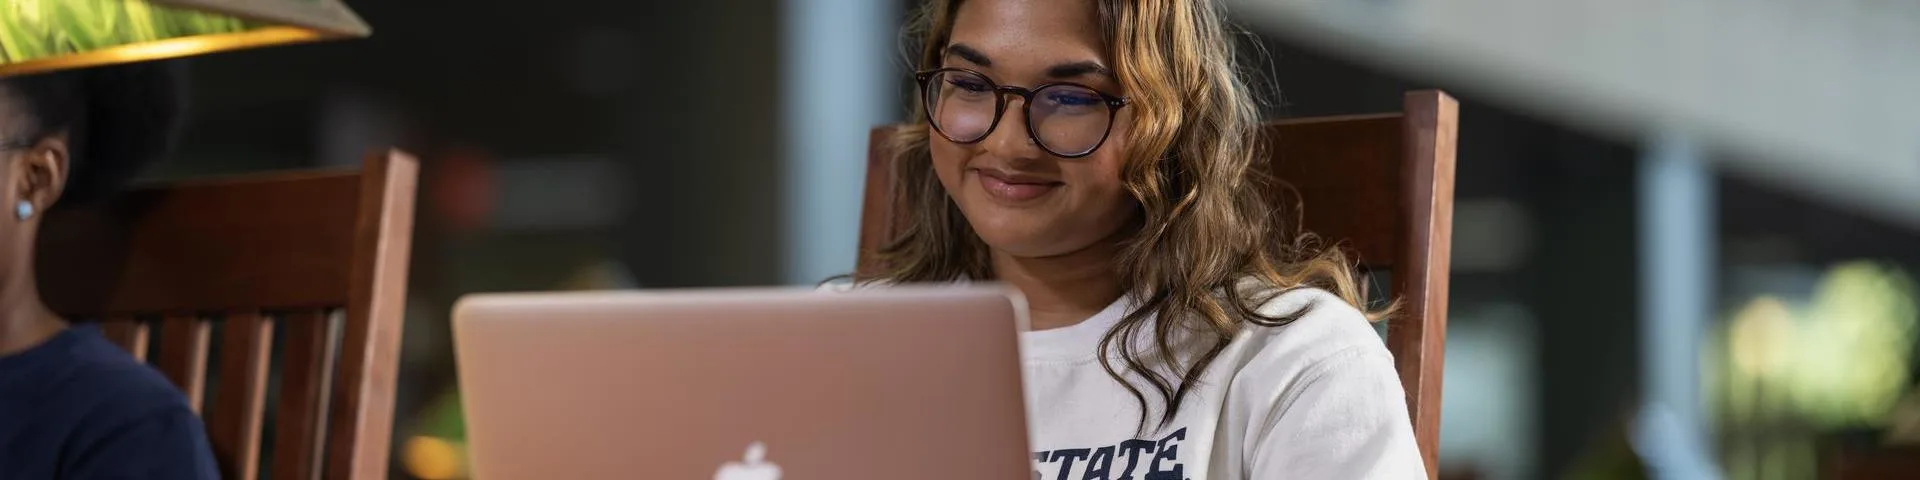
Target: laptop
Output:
{"points": [[744, 384]]}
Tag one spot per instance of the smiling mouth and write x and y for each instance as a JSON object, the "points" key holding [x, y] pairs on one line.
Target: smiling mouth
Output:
{"points": [[1014, 188]]}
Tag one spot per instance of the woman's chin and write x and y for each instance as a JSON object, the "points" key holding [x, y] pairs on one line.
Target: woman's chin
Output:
{"points": [[1025, 244]]}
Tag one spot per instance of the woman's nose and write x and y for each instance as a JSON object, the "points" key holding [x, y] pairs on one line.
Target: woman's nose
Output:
{"points": [[1011, 138]]}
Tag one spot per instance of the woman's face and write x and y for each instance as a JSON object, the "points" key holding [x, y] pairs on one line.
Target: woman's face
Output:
{"points": [[1020, 199]]}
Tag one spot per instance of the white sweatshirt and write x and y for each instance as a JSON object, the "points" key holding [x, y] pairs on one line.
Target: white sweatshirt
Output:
{"points": [[1313, 399]]}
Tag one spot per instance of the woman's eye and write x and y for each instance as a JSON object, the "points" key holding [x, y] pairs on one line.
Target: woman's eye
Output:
{"points": [[969, 85], [1073, 99]]}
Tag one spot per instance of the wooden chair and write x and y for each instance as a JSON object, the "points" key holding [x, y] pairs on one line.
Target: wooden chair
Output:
{"points": [[1381, 184], [1865, 462], [233, 260]]}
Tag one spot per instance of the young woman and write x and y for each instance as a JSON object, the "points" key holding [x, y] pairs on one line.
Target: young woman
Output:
{"points": [[1099, 155], [72, 404]]}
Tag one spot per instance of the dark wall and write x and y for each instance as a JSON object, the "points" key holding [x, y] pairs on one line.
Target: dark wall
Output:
{"points": [[683, 95]]}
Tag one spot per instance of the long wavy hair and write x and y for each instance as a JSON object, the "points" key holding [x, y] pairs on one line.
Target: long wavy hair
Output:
{"points": [[1209, 217]]}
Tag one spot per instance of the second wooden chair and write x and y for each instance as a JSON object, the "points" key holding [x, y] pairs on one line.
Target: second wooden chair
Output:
{"points": [[321, 257]]}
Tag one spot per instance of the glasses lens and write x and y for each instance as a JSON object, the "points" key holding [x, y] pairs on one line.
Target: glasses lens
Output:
{"points": [[1070, 120], [961, 105]]}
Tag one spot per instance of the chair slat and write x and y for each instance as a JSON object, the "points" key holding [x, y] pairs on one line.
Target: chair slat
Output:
{"points": [[306, 367], [246, 342], [129, 333], [878, 212], [183, 355], [362, 418], [1418, 338]]}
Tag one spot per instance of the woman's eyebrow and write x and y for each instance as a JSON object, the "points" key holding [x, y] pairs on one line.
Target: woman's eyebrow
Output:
{"points": [[1077, 69], [969, 54], [1059, 71]]}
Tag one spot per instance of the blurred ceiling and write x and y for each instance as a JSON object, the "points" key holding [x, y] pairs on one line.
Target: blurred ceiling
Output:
{"points": [[1815, 96]]}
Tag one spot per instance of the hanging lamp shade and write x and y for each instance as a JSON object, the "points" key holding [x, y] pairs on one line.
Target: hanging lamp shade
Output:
{"points": [[49, 35]]}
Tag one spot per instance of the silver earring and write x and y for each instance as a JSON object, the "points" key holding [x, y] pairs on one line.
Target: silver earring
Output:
{"points": [[24, 210]]}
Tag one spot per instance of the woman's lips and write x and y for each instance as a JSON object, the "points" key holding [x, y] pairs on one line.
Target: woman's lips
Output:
{"points": [[1014, 188]]}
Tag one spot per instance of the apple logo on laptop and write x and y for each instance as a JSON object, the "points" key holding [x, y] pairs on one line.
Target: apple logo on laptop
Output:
{"points": [[754, 468]]}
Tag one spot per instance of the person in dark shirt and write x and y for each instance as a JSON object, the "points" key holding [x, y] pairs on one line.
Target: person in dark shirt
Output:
{"points": [[72, 404]]}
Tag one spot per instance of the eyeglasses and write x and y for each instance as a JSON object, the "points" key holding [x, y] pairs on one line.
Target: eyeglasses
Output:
{"points": [[1066, 119]]}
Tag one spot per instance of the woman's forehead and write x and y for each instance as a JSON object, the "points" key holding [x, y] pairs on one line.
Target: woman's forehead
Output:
{"points": [[1029, 34]]}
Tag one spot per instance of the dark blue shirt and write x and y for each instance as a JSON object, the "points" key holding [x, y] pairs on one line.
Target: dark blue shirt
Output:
{"points": [[78, 407]]}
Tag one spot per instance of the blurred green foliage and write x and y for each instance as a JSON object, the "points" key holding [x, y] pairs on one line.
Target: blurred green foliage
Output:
{"points": [[1785, 372], [35, 29]]}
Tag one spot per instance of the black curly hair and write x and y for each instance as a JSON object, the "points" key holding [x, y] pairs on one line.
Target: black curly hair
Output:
{"points": [[118, 119]]}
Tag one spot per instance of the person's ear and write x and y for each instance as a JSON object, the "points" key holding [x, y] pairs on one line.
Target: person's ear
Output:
{"points": [[41, 172]]}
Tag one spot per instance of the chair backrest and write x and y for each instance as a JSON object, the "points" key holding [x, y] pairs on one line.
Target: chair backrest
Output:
{"points": [[1846, 461], [1382, 185], [220, 265]]}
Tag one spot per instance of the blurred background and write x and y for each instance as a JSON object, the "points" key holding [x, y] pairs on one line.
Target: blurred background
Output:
{"points": [[1686, 229]]}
